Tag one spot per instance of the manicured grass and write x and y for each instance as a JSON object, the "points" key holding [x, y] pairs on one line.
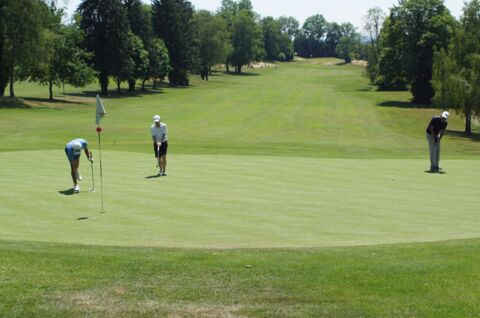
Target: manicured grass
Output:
{"points": [[287, 188], [226, 201], [421, 280]]}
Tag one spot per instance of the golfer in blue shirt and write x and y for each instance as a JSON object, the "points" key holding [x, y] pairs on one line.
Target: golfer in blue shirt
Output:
{"points": [[73, 151]]}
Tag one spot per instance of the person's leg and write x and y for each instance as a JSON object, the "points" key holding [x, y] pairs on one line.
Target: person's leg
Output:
{"points": [[164, 149], [432, 148], [73, 171], [157, 156], [77, 172], [437, 155], [73, 174], [164, 164]]}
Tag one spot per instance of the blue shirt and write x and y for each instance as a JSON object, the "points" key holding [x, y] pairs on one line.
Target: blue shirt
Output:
{"points": [[70, 151]]}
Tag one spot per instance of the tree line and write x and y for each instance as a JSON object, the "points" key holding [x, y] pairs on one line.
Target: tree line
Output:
{"points": [[128, 41], [420, 46]]}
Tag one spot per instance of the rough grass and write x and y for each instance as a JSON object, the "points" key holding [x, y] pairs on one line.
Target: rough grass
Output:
{"points": [[411, 280]]}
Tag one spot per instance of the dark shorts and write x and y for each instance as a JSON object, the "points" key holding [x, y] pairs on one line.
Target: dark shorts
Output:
{"points": [[163, 149]]}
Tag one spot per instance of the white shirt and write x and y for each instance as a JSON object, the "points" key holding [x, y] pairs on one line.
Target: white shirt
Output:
{"points": [[158, 132]]}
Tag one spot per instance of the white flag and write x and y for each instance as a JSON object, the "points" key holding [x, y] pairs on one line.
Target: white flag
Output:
{"points": [[100, 110]]}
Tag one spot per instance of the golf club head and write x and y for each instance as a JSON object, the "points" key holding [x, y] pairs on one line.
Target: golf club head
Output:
{"points": [[92, 190]]}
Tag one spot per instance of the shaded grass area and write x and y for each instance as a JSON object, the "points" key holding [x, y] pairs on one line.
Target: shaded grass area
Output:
{"points": [[414, 280], [12, 103]]}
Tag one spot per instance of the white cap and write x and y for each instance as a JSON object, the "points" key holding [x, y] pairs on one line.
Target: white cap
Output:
{"points": [[445, 115], [156, 118], [77, 147]]}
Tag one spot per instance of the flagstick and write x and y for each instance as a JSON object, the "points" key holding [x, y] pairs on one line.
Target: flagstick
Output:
{"points": [[99, 130], [100, 112]]}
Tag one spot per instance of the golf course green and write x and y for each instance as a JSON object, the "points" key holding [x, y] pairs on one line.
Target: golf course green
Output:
{"points": [[298, 170]]}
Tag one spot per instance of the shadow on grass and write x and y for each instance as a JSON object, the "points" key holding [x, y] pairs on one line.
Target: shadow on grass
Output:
{"points": [[461, 135], [240, 74], [153, 177], [124, 93], [67, 192], [14, 103], [53, 101], [398, 104], [365, 89], [435, 172]]}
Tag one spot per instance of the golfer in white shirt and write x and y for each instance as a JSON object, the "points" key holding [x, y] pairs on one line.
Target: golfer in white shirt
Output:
{"points": [[160, 143]]}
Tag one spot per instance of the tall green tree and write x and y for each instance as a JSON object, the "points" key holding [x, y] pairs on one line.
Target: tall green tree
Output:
{"points": [[247, 7], [272, 37], [373, 25], [3, 60], [23, 23], [227, 11], [310, 40], [136, 18], [314, 30], [61, 59], [159, 62], [285, 47], [172, 23], [139, 18], [106, 28], [391, 71], [349, 42], [73, 66], [212, 41], [290, 26], [456, 72], [140, 61], [416, 28], [246, 40], [332, 38]]}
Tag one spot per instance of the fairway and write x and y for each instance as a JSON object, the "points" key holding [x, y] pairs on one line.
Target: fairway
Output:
{"points": [[227, 201]]}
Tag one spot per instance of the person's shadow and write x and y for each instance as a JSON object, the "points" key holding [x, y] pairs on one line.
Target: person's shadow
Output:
{"points": [[153, 177], [435, 172], [67, 192]]}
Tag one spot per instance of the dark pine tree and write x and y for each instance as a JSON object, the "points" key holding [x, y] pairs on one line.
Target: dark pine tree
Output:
{"points": [[106, 30], [171, 23]]}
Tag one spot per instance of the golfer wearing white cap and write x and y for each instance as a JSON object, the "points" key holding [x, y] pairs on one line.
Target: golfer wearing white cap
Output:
{"points": [[74, 150], [160, 143], [435, 131]]}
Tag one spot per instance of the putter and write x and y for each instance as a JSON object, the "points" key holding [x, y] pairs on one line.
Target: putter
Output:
{"points": [[93, 180]]}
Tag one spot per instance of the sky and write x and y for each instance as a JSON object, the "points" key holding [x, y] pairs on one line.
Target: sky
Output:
{"points": [[333, 10]]}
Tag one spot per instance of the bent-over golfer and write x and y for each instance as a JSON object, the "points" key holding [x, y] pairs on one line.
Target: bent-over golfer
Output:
{"points": [[435, 131], [74, 150], [160, 143]]}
